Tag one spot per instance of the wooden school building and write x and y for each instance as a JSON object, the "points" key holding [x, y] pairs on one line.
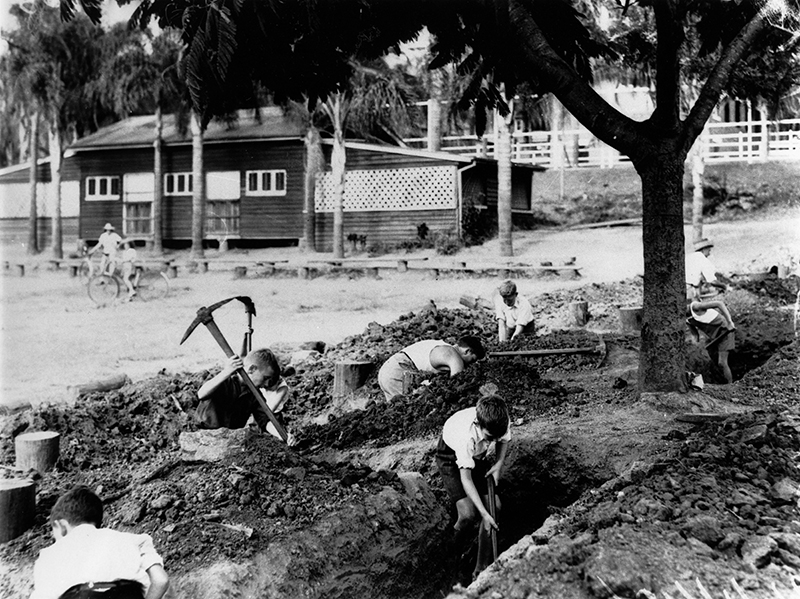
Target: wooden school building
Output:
{"points": [[254, 186]]}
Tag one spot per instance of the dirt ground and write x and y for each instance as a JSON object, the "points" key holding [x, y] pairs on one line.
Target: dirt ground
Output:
{"points": [[607, 493]]}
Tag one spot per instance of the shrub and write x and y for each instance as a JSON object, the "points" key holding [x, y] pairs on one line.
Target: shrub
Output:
{"points": [[476, 225], [447, 243]]}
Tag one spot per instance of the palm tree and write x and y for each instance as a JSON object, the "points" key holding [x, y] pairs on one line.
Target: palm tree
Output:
{"points": [[140, 76], [375, 99]]}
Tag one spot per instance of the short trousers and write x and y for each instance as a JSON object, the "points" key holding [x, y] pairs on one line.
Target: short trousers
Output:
{"points": [[118, 589], [390, 375], [451, 473], [713, 330]]}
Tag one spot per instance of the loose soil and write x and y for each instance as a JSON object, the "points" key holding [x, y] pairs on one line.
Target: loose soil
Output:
{"points": [[606, 492]]}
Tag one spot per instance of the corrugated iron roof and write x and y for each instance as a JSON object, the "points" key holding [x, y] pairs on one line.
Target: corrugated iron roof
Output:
{"points": [[140, 131]]}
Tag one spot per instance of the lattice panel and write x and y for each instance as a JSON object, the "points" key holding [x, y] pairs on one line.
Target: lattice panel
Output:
{"points": [[15, 199], [424, 188]]}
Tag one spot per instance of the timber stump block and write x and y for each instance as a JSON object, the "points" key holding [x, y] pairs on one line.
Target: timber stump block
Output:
{"points": [[630, 318], [36, 451], [239, 272], [580, 312], [17, 507], [349, 375]]}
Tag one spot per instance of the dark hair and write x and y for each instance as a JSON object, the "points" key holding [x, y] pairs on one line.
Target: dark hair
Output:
{"points": [[473, 343], [80, 505], [492, 414], [264, 357]]}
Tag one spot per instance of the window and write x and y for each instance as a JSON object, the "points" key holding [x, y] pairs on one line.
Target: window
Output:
{"points": [[222, 219], [266, 183], [176, 184], [102, 188]]}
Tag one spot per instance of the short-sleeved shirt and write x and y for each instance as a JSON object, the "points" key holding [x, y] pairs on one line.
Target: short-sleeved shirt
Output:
{"points": [[109, 241], [229, 406], [520, 314], [698, 269], [462, 434], [90, 554]]}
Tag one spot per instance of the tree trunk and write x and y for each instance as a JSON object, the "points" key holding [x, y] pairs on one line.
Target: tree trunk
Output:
{"points": [[55, 181], [33, 237], [17, 507], [698, 172], [315, 164], [503, 155], [158, 185], [198, 188], [338, 159], [662, 360], [436, 89]]}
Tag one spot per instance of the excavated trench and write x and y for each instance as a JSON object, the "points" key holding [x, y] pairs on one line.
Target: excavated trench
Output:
{"points": [[285, 523]]}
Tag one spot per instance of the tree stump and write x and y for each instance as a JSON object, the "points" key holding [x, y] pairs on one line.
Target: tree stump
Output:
{"points": [[349, 375], [17, 507], [37, 450], [402, 266], [631, 319], [303, 272], [580, 312]]}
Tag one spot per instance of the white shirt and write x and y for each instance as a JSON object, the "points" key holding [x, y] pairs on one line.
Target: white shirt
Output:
{"points": [[420, 354], [462, 434], [276, 399], [698, 269], [90, 554], [520, 313], [109, 241]]}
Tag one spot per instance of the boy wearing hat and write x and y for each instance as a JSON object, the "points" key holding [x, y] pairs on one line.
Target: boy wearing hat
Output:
{"points": [[699, 270], [513, 312], [108, 242]]}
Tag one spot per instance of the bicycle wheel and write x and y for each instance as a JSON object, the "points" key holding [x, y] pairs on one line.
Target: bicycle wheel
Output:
{"points": [[103, 289], [152, 285]]}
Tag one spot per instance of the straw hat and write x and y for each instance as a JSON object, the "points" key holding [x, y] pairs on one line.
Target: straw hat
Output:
{"points": [[702, 244], [108, 227]]}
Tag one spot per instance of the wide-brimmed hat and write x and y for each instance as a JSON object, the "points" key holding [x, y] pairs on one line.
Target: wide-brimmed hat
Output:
{"points": [[702, 244], [108, 227]]}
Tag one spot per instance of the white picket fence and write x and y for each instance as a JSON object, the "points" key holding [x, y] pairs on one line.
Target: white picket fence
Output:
{"points": [[748, 141]]}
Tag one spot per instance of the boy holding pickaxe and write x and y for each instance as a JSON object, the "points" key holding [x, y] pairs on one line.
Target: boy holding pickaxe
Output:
{"points": [[226, 402], [468, 476]]}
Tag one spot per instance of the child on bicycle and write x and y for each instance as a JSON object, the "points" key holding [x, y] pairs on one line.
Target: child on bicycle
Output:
{"points": [[128, 262]]}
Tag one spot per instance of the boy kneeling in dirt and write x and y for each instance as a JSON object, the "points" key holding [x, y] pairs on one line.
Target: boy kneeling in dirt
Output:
{"points": [[461, 457], [88, 561], [226, 401]]}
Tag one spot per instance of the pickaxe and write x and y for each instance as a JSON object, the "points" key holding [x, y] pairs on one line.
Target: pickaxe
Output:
{"points": [[204, 317], [250, 310], [492, 512]]}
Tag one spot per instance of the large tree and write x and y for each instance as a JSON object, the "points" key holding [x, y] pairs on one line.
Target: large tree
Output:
{"points": [[547, 43]]}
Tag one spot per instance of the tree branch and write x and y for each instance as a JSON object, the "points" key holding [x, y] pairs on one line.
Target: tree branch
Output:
{"points": [[715, 84], [540, 61]]}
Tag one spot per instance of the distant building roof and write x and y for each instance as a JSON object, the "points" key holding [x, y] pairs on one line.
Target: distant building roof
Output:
{"points": [[140, 131]]}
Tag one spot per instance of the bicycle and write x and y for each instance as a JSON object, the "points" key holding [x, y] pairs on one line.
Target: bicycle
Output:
{"points": [[104, 289]]}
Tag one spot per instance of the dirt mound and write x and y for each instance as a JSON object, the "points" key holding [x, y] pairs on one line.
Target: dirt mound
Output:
{"points": [[724, 495]]}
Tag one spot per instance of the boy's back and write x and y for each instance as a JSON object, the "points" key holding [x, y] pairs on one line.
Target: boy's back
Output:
{"points": [[89, 554]]}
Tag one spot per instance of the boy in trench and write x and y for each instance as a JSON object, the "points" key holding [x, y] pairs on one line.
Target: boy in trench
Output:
{"points": [[461, 457], [431, 355], [226, 401]]}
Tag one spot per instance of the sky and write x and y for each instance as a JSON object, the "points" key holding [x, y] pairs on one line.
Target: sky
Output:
{"points": [[112, 13]]}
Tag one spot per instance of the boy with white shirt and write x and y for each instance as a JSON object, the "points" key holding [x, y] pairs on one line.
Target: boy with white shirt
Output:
{"points": [[88, 561], [461, 455]]}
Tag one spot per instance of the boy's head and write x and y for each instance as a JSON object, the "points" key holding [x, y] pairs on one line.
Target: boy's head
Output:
{"points": [[492, 415], [80, 505], [471, 349], [508, 291], [262, 367]]}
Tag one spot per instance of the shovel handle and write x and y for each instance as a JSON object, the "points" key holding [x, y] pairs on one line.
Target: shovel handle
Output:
{"points": [[492, 512], [548, 352], [220, 338]]}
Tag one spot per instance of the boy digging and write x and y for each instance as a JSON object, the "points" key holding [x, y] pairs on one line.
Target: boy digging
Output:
{"points": [[89, 561], [461, 457]]}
